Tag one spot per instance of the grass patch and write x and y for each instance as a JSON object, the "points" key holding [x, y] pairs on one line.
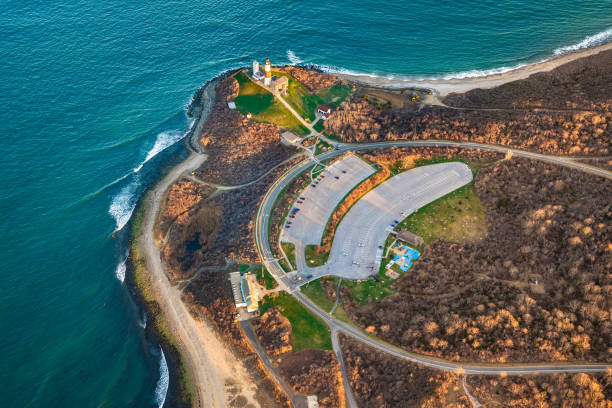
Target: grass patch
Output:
{"points": [[314, 291], [319, 126], [340, 314], [265, 278], [456, 217], [307, 331], [313, 258], [289, 250], [254, 99], [321, 147], [298, 96], [335, 95], [305, 103]]}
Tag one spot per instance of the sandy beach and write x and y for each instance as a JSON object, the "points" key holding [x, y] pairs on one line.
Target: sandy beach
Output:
{"points": [[443, 87], [211, 364]]}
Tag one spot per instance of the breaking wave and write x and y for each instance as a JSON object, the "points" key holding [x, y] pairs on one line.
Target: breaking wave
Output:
{"points": [[123, 204], [121, 268], [163, 141], [143, 323], [293, 58], [453, 75], [162, 385], [591, 41]]}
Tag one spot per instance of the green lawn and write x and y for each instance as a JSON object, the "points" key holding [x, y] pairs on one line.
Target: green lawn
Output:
{"points": [[307, 331], [265, 278], [335, 95], [321, 147], [456, 217], [305, 103], [314, 291], [289, 250], [256, 100], [319, 126], [313, 259]]}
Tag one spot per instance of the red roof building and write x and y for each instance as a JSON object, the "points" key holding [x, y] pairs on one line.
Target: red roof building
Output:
{"points": [[324, 111]]}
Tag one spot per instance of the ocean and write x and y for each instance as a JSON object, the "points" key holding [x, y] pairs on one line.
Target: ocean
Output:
{"points": [[93, 98]]}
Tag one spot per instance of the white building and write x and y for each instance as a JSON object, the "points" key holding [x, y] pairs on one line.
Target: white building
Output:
{"points": [[257, 74]]}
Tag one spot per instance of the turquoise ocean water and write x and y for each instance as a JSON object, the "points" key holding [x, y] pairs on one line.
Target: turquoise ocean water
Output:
{"points": [[92, 98]]}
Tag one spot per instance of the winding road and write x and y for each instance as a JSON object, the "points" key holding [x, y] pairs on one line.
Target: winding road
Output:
{"points": [[336, 326]]}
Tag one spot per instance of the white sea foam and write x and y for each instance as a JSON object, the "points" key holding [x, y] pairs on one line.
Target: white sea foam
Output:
{"points": [[123, 204], [591, 41], [121, 268], [293, 58], [164, 379], [453, 75], [588, 42], [163, 141], [143, 322]]}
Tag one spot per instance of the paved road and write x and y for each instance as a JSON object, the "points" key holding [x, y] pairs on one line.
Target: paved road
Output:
{"points": [[350, 398], [286, 283], [297, 401]]}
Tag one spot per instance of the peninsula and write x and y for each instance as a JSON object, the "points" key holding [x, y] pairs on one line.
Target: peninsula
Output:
{"points": [[346, 241]]}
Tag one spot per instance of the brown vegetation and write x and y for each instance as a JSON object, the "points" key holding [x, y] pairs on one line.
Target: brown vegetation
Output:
{"points": [[537, 288], [313, 80], [180, 198], [190, 238], [585, 83], [408, 157], [315, 372], [559, 130], [559, 390], [379, 380], [274, 332], [240, 150]]}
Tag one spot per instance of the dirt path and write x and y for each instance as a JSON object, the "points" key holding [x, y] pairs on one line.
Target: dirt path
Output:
{"points": [[209, 362]]}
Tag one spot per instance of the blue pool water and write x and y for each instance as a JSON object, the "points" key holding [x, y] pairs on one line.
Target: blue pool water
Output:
{"points": [[93, 96]]}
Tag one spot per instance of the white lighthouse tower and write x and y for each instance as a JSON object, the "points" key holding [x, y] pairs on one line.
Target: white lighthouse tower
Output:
{"points": [[268, 71]]}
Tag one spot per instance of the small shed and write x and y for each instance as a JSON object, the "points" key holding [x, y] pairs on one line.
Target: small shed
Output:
{"points": [[410, 238], [290, 138]]}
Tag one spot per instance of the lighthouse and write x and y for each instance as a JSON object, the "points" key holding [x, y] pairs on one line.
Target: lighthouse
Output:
{"points": [[268, 70]]}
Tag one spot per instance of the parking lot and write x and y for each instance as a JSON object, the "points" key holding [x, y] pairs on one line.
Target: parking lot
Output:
{"points": [[358, 244], [307, 219]]}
